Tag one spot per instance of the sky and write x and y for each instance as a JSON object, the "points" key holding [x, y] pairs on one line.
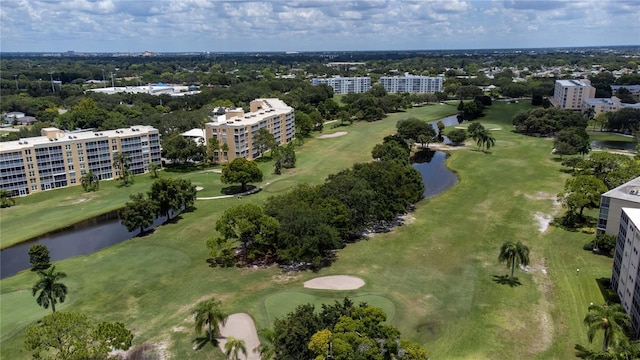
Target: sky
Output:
{"points": [[313, 25]]}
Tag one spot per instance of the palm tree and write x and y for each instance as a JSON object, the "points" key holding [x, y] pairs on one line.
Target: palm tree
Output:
{"points": [[485, 139], [208, 313], [225, 151], [121, 162], [612, 320], [233, 347], [153, 168], [5, 199], [89, 181], [50, 288], [510, 252], [266, 349]]}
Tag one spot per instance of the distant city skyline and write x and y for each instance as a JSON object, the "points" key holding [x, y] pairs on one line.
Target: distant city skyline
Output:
{"points": [[239, 25]]}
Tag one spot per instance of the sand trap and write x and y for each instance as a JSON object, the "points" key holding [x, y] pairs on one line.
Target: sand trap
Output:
{"points": [[338, 282], [199, 188], [336, 134], [241, 326]]}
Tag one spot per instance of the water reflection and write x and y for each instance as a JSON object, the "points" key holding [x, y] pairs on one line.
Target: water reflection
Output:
{"points": [[435, 175]]}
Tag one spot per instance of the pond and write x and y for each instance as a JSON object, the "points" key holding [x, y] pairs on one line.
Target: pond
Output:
{"points": [[448, 121], [435, 175], [612, 144], [82, 238]]}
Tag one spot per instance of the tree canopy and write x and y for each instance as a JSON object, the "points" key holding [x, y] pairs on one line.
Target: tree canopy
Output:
{"points": [[241, 171]]}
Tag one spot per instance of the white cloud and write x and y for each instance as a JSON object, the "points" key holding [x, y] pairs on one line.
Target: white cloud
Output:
{"points": [[197, 25]]}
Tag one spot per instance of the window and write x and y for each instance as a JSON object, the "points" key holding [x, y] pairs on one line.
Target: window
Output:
{"points": [[27, 151], [32, 173], [73, 180], [33, 181], [81, 159], [29, 159], [68, 153], [67, 147], [114, 148], [30, 166], [34, 187], [78, 146], [70, 167], [69, 160], [114, 141], [81, 166], [80, 152]]}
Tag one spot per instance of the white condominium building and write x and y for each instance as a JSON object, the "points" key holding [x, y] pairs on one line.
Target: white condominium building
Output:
{"points": [[59, 159], [345, 85], [411, 84], [611, 203], [625, 277], [570, 94], [237, 129]]}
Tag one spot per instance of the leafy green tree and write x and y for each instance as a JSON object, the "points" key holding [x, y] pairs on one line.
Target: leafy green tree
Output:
{"points": [[293, 333], [241, 171], [511, 252], [572, 141], [234, 347], [412, 128], [121, 161], [248, 224], [612, 320], [391, 151], [6, 200], [139, 213], [50, 288], [266, 349], [39, 257], [90, 181], [213, 146], [580, 192], [263, 140], [72, 336], [457, 136], [172, 195], [208, 314]]}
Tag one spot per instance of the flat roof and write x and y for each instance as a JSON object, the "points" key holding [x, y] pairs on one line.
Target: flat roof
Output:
{"points": [[67, 137], [634, 215], [629, 191], [271, 107], [571, 83], [605, 101]]}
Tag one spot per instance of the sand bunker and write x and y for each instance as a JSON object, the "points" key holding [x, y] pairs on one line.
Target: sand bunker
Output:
{"points": [[199, 188], [336, 134], [241, 326], [337, 282]]}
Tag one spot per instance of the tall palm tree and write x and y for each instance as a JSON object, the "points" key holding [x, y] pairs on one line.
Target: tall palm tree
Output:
{"points": [[208, 313], [485, 139], [51, 290], [511, 252], [233, 347], [266, 349], [612, 320], [121, 162]]}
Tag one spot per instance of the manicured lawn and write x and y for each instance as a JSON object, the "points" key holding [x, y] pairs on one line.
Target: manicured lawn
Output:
{"points": [[439, 273]]}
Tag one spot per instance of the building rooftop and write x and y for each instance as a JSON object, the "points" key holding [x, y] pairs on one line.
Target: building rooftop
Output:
{"points": [[570, 83], [270, 107], [603, 101], [629, 191], [60, 136], [633, 214]]}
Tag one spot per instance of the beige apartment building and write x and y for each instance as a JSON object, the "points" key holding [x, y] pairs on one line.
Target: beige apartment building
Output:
{"points": [[570, 94], [58, 159], [237, 128]]}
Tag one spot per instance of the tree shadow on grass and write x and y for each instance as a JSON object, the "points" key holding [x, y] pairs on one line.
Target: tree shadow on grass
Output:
{"points": [[506, 280], [201, 341], [236, 189]]}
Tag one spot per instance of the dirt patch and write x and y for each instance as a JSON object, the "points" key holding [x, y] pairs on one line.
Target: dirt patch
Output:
{"points": [[335, 134], [240, 326], [338, 282], [544, 321], [543, 221], [408, 218]]}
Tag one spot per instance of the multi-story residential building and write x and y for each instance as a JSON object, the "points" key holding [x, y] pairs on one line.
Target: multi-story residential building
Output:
{"points": [[611, 203], [411, 84], [625, 277], [59, 159], [237, 129], [612, 104], [345, 85], [569, 94]]}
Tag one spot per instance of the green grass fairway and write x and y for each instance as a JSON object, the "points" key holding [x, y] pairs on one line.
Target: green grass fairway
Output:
{"points": [[437, 276]]}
